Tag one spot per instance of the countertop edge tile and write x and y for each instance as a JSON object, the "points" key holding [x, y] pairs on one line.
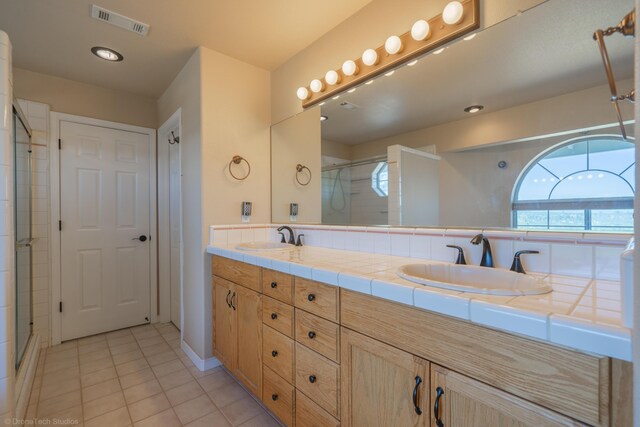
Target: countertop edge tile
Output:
{"points": [[450, 305], [589, 336], [355, 283], [510, 319]]}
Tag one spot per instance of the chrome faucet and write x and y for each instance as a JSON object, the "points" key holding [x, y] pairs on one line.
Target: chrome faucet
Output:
{"points": [[487, 257], [292, 236]]}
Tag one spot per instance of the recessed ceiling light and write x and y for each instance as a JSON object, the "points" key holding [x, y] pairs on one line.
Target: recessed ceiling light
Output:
{"points": [[336, 97], [439, 51], [107, 54], [324, 118], [390, 73], [351, 90], [473, 108], [412, 63], [369, 82], [471, 37]]}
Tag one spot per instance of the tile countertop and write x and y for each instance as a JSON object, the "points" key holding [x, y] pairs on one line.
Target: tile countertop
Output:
{"points": [[581, 314]]}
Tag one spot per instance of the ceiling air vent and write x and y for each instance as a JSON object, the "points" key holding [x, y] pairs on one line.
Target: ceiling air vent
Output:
{"points": [[118, 20]]}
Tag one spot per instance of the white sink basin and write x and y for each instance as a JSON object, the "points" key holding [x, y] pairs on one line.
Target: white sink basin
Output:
{"points": [[469, 278], [264, 246]]}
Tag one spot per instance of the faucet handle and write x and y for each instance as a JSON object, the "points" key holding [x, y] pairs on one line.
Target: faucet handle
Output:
{"points": [[517, 264], [460, 259], [299, 242], [282, 239]]}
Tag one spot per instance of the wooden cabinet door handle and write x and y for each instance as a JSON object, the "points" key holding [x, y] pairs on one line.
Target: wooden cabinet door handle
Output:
{"points": [[274, 285], [311, 335], [312, 379], [311, 297], [274, 316], [274, 353], [274, 397]]}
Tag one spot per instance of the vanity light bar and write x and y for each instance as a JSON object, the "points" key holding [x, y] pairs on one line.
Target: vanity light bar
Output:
{"points": [[457, 19]]}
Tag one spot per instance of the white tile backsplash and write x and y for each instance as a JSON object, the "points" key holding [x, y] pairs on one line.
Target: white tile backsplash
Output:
{"points": [[592, 257]]}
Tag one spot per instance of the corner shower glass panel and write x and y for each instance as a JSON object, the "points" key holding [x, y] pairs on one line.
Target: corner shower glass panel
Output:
{"points": [[22, 219], [355, 193]]}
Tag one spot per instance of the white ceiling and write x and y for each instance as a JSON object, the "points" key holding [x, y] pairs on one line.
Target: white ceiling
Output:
{"points": [[545, 52], [55, 36]]}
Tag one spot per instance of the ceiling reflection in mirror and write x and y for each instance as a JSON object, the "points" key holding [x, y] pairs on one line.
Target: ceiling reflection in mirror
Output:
{"points": [[403, 151]]}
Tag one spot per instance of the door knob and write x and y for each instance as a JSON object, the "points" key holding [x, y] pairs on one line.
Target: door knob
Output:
{"points": [[142, 238]]}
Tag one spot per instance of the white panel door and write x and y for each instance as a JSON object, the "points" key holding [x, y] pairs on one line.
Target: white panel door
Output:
{"points": [[104, 204]]}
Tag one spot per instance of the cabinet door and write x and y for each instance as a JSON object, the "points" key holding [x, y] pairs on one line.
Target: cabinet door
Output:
{"points": [[462, 401], [248, 306], [224, 322], [380, 383]]}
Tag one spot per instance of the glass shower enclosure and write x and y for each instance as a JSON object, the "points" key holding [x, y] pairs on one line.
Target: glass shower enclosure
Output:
{"points": [[24, 238]]}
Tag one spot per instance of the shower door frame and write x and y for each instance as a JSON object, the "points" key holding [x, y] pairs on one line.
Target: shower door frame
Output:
{"points": [[23, 120]]}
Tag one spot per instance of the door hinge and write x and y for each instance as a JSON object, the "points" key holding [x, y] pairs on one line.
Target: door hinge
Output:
{"points": [[60, 225], [60, 308], [59, 144]]}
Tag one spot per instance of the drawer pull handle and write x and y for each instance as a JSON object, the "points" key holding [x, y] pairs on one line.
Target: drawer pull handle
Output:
{"points": [[311, 334], [274, 285], [274, 353], [274, 316], [312, 379], [274, 397], [228, 295], [415, 396], [436, 407], [311, 297]]}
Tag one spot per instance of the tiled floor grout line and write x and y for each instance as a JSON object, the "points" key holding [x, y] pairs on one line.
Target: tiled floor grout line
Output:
{"points": [[79, 355]]}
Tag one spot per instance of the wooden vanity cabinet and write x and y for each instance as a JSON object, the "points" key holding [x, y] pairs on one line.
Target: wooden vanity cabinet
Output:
{"points": [[462, 401], [237, 327], [382, 385]]}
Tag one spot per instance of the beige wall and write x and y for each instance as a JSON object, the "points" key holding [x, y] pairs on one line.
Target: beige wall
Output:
{"points": [[336, 149], [225, 111], [369, 27], [565, 113], [185, 92], [235, 120], [296, 141], [71, 97]]}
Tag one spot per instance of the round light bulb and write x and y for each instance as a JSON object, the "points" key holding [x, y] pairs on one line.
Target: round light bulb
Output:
{"points": [[349, 68], [370, 57], [420, 30], [393, 45], [302, 93], [316, 86], [452, 13], [332, 77]]}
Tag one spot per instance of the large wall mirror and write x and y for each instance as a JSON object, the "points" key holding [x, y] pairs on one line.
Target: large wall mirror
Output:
{"points": [[543, 153]]}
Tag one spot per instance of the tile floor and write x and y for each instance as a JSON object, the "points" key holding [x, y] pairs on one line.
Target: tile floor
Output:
{"points": [[140, 377]]}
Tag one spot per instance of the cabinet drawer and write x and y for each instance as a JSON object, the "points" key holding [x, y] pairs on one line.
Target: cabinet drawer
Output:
{"points": [[278, 315], [238, 272], [317, 298], [318, 378], [318, 334], [278, 395], [309, 414], [277, 353], [278, 285]]}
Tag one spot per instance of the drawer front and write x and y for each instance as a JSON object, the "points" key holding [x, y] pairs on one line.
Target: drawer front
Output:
{"points": [[318, 378], [278, 395], [278, 285], [277, 353], [317, 298], [309, 414], [318, 334], [278, 315], [238, 272]]}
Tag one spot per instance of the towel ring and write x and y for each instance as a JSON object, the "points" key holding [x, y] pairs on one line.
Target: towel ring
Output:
{"points": [[237, 160], [299, 169]]}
